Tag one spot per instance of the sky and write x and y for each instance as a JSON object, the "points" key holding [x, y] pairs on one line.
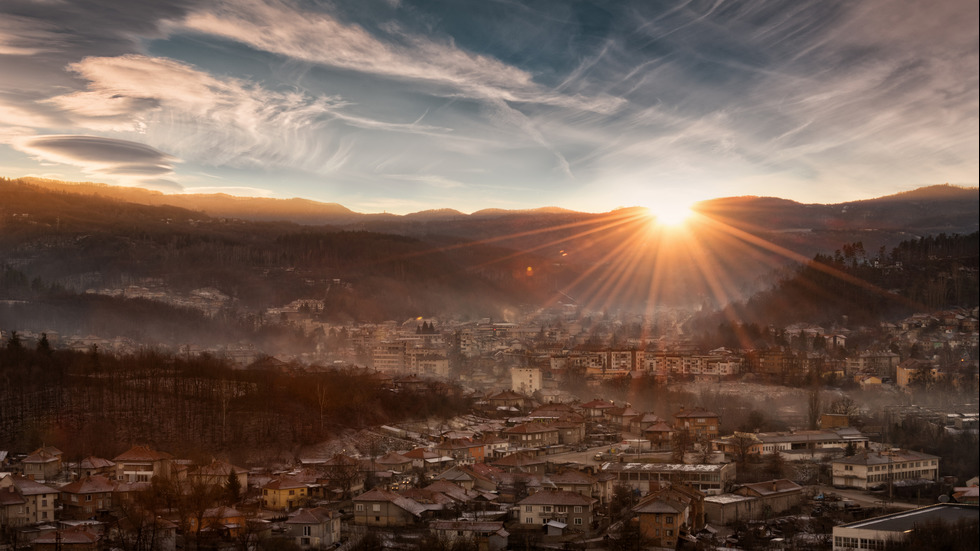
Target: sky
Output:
{"points": [[407, 105]]}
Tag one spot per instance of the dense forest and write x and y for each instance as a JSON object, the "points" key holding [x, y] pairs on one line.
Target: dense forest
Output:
{"points": [[95, 403], [855, 287]]}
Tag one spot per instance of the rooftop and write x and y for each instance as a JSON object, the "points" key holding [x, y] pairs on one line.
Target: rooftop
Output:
{"points": [[901, 522]]}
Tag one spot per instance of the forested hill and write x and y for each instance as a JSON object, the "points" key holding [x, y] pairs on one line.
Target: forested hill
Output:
{"points": [[866, 287]]}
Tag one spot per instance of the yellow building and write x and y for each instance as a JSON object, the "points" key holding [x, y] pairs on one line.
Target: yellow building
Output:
{"points": [[285, 493]]}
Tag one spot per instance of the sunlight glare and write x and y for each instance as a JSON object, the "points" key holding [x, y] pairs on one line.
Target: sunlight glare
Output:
{"points": [[670, 213]]}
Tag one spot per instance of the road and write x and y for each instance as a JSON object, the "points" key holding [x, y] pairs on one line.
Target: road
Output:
{"points": [[863, 498]]}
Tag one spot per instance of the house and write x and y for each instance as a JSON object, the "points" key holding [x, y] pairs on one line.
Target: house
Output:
{"points": [[25, 501], [285, 493], [344, 474], [314, 528], [522, 462], [621, 417], [486, 535], [382, 508], [595, 410], [659, 435], [428, 460], [774, 496], [141, 463], [569, 508], [462, 450], [218, 522], [471, 477], [507, 399], [87, 497], [572, 480], [91, 466], [43, 463], [643, 421], [217, 473], [394, 461], [79, 539], [698, 422], [666, 515], [531, 435], [870, 468]]}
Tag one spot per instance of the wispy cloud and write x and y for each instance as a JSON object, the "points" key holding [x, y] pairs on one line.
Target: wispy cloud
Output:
{"points": [[318, 37]]}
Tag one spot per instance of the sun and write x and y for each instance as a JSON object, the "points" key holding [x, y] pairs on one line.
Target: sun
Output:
{"points": [[671, 213]]}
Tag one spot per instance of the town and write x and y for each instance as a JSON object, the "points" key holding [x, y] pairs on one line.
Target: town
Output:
{"points": [[577, 431]]}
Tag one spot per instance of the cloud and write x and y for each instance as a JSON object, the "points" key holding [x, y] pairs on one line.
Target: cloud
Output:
{"points": [[316, 37], [125, 161]]}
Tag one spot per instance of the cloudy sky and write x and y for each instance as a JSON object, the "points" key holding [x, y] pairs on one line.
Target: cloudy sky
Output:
{"points": [[406, 105]]}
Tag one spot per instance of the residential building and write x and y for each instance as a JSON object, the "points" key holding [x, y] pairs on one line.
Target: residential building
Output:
{"points": [[87, 497], [486, 535], [42, 464], [315, 528], [531, 435], [570, 508], [217, 474], [25, 501], [91, 466], [141, 463], [382, 508], [665, 515], [525, 380], [285, 493], [698, 422]]}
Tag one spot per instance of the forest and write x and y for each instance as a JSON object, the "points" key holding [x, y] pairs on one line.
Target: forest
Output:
{"points": [[855, 287], [92, 403]]}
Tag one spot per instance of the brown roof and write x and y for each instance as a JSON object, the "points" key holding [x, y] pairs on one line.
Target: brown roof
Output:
{"points": [[772, 487], [92, 462], [530, 428], [317, 515], [142, 453], [90, 485], [695, 412]]}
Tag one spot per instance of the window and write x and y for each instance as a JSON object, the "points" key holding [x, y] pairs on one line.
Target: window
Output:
{"points": [[528, 508], [561, 509], [547, 508], [44, 514], [578, 508], [670, 520], [668, 532], [528, 520], [307, 530], [88, 497], [292, 492], [375, 507], [578, 521], [359, 507]]}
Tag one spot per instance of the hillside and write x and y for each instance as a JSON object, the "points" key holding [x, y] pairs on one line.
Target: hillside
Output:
{"points": [[59, 241]]}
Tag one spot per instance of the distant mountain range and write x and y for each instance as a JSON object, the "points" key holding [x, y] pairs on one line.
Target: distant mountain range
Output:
{"points": [[267, 252]]}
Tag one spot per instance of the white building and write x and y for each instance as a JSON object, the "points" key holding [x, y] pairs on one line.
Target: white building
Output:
{"points": [[871, 468], [525, 380]]}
